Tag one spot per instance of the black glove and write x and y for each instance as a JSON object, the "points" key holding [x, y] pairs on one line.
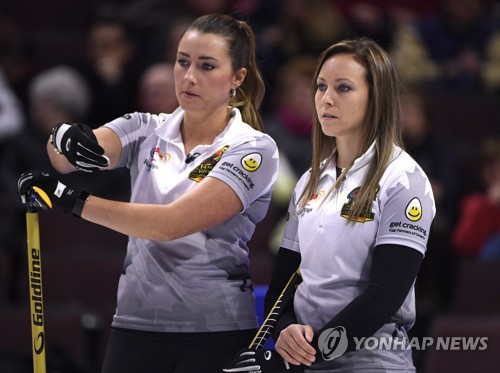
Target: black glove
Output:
{"points": [[39, 189], [79, 145], [260, 361]]}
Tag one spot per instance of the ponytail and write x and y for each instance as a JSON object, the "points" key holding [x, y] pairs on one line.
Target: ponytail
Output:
{"points": [[242, 50], [250, 94]]}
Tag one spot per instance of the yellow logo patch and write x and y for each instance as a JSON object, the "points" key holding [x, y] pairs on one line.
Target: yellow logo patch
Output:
{"points": [[251, 162], [414, 210]]}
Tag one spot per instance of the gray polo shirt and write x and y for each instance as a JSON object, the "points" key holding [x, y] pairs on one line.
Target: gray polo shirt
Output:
{"points": [[200, 282]]}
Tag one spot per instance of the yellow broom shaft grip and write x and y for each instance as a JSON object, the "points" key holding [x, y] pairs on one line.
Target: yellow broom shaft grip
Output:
{"points": [[36, 296]]}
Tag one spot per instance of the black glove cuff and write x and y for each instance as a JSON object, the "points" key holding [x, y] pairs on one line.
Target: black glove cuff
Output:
{"points": [[79, 203]]}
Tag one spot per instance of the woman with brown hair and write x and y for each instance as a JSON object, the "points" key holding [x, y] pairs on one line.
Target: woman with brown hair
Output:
{"points": [[358, 225], [202, 178]]}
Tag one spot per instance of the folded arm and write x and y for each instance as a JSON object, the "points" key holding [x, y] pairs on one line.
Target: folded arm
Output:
{"points": [[393, 272]]}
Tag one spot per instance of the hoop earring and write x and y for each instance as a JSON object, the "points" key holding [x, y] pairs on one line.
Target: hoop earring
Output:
{"points": [[232, 92]]}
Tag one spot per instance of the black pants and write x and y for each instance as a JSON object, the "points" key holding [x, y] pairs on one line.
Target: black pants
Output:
{"points": [[133, 351]]}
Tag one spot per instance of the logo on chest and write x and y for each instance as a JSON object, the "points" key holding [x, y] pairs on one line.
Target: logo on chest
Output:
{"points": [[155, 157], [311, 202], [366, 213], [199, 173]]}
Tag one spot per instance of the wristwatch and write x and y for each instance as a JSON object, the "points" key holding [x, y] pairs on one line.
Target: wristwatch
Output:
{"points": [[80, 202]]}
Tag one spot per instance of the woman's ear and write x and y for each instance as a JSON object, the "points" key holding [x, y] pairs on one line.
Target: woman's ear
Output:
{"points": [[239, 77]]}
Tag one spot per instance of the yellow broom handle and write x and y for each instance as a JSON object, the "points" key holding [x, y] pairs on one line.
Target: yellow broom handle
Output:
{"points": [[36, 297]]}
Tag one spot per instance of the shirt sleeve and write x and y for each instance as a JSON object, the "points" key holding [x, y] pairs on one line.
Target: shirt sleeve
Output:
{"points": [[132, 129], [407, 210], [250, 169], [290, 238]]}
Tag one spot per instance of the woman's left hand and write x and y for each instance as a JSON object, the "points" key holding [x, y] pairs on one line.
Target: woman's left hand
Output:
{"points": [[294, 344]]}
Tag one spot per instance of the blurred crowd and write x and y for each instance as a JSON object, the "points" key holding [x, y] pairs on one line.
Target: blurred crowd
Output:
{"points": [[93, 61]]}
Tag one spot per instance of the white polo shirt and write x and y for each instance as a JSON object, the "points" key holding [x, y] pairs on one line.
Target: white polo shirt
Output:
{"points": [[336, 254], [200, 282]]}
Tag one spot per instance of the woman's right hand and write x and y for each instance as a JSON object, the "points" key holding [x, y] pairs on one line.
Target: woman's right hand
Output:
{"points": [[77, 142], [294, 344], [104, 143]]}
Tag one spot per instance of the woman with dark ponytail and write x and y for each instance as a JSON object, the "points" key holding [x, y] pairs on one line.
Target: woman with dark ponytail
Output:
{"points": [[202, 178]]}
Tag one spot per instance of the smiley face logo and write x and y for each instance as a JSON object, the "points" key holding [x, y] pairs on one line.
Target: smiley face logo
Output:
{"points": [[251, 162], [414, 210]]}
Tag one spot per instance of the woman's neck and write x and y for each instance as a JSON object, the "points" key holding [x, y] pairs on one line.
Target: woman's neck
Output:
{"points": [[202, 130], [347, 152]]}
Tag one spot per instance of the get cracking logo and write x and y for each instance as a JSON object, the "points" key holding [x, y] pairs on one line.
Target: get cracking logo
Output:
{"points": [[251, 162], [413, 210]]}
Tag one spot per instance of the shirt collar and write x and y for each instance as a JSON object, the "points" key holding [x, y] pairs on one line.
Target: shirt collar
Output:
{"points": [[169, 129], [358, 162]]}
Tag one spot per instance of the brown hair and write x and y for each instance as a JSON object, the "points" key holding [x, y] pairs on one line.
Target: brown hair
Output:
{"points": [[382, 121], [241, 45]]}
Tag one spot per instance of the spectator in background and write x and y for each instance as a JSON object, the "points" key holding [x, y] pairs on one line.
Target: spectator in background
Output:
{"points": [[307, 27], [432, 152], [379, 19], [371, 20], [173, 33], [264, 17], [157, 89], [17, 59], [457, 49], [148, 20], [436, 157], [110, 70], [478, 228], [57, 94], [290, 125], [304, 27], [11, 115], [196, 8]]}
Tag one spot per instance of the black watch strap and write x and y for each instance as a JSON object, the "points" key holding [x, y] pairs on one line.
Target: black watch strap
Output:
{"points": [[80, 202]]}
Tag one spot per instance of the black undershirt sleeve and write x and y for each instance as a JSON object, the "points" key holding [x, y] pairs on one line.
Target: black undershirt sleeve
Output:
{"points": [[286, 263], [393, 271]]}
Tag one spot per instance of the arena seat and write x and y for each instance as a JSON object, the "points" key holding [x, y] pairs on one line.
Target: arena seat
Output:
{"points": [[68, 341], [477, 289], [460, 360]]}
